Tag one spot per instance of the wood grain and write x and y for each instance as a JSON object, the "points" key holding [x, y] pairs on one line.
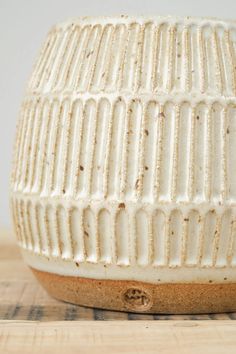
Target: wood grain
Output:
{"points": [[22, 298], [166, 337]]}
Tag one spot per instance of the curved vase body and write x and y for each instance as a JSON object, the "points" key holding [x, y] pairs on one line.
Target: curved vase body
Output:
{"points": [[124, 177]]}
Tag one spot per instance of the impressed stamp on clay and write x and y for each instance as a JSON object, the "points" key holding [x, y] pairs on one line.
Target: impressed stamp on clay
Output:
{"points": [[137, 299]]}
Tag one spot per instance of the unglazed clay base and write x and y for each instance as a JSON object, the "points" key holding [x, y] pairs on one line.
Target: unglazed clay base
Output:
{"points": [[136, 296]]}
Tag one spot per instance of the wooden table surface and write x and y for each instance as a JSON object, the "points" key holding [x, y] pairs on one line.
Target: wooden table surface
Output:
{"points": [[33, 322]]}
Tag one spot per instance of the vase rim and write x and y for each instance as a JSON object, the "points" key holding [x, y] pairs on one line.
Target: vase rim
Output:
{"points": [[143, 19]]}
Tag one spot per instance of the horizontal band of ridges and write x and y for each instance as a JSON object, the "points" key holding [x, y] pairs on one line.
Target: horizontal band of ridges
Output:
{"points": [[124, 235], [126, 149], [162, 56]]}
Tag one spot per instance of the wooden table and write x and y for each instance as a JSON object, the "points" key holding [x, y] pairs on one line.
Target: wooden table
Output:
{"points": [[33, 322]]}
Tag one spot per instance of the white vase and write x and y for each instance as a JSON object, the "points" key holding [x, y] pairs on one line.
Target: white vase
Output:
{"points": [[123, 185]]}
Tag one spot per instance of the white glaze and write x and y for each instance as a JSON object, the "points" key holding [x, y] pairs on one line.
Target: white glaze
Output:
{"points": [[125, 151]]}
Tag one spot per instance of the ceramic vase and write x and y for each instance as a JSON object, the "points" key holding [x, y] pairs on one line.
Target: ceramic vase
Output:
{"points": [[123, 185]]}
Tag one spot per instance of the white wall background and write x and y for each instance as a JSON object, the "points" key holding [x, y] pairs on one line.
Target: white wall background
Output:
{"points": [[23, 27]]}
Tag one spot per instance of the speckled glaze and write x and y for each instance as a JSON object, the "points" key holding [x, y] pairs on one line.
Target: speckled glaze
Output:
{"points": [[125, 154]]}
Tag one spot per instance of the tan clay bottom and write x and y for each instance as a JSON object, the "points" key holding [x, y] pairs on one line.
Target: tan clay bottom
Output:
{"points": [[135, 296]]}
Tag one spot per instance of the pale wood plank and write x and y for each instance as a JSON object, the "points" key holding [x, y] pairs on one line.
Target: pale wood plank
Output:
{"points": [[166, 337]]}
